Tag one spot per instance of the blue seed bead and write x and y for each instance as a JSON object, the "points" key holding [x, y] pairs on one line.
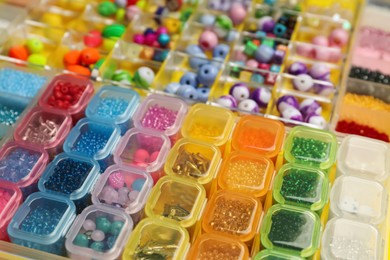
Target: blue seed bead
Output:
{"points": [[257, 78], [172, 87], [138, 184], [264, 53], [42, 220], [207, 74], [111, 107], [9, 115], [20, 83], [92, 141], [207, 19], [97, 246], [280, 30], [103, 224], [203, 94], [187, 91], [111, 241], [81, 240], [116, 228], [220, 51], [189, 78]]}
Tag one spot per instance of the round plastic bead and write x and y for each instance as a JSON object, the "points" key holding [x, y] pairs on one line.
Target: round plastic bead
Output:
{"points": [[188, 92], [78, 69], [93, 39], [144, 77], [172, 87], [116, 180], [154, 156], [338, 38], [317, 120], [280, 30], [132, 11], [227, 101], [320, 41], [72, 57], [239, 91], [81, 240], [207, 74], [222, 26], [203, 94], [196, 63], [264, 53], [237, 13], [121, 3], [138, 184], [107, 8], [221, 51], [97, 246], [320, 71], [286, 101], [122, 76], [189, 78], [292, 113], [141, 156], [97, 235], [303, 82], [208, 40], [103, 224], [34, 45], [89, 225], [323, 90], [109, 195], [207, 19], [164, 39], [37, 59], [248, 105], [116, 227], [194, 49], [297, 68], [265, 24], [309, 106], [89, 56], [261, 96], [19, 52]]}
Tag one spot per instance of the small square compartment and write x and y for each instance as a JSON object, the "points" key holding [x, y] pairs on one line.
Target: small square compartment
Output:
{"points": [[161, 113], [218, 247], [131, 188], [178, 199], [245, 172], [359, 199], [11, 197], [99, 232], [188, 152], [93, 139], [311, 147], [22, 164], [291, 229], [44, 127], [144, 149], [274, 254], [301, 186], [153, 236], [213, 125], [350, 239], [364, 157], [114, 105], [71, 176], [263, 136], [42, 221], [234, 214], [77, 89]]}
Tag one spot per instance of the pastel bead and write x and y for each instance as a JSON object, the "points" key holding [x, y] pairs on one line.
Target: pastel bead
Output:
{"points": [[239, 91], [287, 101], [37, 59], [303, 82], [203, 94], [18, 52], [133, 195], [309, 106], [89, 225], [261, 96], [320, 41], [144, 77], [227, 101], [264, 54], [207, 74], [248, 105], [237, 13], [252, 63], [208, 40], [138, 184], [305, 49], [194, 49], [189, 78], [297, 68], [116, 180], [97, 235], [109, 195], [322, 53], [221, 51], [34, 45], [141, 156], [93, 39], [207, 19], [292, 113], [338, 38], [187, 92]]}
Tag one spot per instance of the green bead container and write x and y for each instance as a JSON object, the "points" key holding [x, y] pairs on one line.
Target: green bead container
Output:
{"points": [[312, 147], [302, 186], [291, 230], [276, 255]]}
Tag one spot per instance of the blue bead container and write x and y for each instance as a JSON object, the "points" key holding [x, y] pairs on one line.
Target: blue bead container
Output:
{"points": [[93, 139], [42, 221], [71, 176], [23, 165], [114, 105]]}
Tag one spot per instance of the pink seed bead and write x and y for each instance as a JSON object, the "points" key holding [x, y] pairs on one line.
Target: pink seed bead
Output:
{"points": [[116, 180], [159, 118]]}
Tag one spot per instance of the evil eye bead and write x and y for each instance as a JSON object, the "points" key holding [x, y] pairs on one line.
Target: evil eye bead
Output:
{"points": [[220, 51], [287, 101], [172, 88], [303, 82], [264, 53], [320, 71], [323, 90], [261, 96], [208, 40], [248, 105], [207, 74], [239, 91], [189, 78], [309, 106], [203, 94], [187, 92], [144, 77], [227, 101], [316, 120], [292, 113], [297, 68]]}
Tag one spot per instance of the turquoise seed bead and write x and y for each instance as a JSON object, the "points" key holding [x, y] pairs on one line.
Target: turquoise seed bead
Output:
{"points": [[103, 224], [81, 240], [97, 246], [116, 227]]}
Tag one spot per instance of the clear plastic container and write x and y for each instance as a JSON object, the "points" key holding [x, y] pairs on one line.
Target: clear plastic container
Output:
{"points": [[310, 146], [213, 246], [99, 232], [10, 199], [164, 239], [234, 214], [364, 157], [247, 173], [114, 105], [123, 187], [275, 255], [291, 229], [213, 125], [162, 113], [178, 199], [44, 127], [22, 164], [42, 221], [186, 154], [93, 139], [350, 239], [71, 176], [359, 199], [77, 89], [144, 149], [259, 135], [301, 186]]}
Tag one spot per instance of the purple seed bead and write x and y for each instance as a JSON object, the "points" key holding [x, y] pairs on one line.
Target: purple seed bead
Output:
{"points": [[227, 101], [239, 91], [309, 106], [159, 118], [248, 105], [286, 101], [297, 68], [320, 71], [292, 113], [261, 96]]}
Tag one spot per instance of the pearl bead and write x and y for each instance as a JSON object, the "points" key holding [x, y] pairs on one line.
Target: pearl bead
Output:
{"points": [[89, 225], [97, 235], [303, 82], [239, 91]]}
